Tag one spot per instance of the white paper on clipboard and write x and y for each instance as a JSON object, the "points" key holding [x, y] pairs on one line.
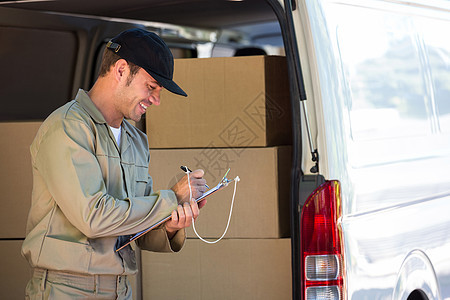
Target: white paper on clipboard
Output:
{"points": [[209, 192]]}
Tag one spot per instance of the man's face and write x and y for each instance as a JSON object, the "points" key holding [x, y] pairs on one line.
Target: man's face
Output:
{"points": [[137, 94]]}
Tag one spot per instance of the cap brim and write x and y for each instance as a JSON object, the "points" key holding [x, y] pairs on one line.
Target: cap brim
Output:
{"points": [[168, 84]]}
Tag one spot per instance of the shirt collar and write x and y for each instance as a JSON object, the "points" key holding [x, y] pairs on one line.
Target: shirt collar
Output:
{"points": [[86, 102]]}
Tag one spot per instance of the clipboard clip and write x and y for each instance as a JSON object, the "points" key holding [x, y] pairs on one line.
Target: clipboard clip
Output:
{"points": [[225, 181]]}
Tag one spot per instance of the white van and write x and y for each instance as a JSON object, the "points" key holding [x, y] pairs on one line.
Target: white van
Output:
{"points": [[370, 107], [376, 78]]}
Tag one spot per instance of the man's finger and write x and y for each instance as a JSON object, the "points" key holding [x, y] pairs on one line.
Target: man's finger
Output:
{"points": [[175, 216], [199, 173], [188, 214], [181, 214], [195, 209], [202, 203]]}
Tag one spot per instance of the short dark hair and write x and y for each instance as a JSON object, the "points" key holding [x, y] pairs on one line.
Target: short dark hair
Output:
{"points": [[110, 58]]}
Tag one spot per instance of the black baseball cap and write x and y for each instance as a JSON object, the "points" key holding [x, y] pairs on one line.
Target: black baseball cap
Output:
{"points": [[148, 51]]}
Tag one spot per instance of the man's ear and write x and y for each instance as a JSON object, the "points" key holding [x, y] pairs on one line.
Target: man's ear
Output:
{"points": [[121, 70]]}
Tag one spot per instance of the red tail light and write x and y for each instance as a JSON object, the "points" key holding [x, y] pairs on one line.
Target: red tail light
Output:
{"points": [[322, 256]]}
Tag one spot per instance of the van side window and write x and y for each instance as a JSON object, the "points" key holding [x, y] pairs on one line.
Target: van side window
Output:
{"points": [[437, 46], [383, 63], [38, 69]]}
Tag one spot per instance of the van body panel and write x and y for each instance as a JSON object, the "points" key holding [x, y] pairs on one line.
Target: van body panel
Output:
{"points": [[383, 133], [417, 273]]}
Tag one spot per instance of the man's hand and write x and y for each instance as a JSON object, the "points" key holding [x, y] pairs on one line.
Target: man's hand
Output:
{"points": [[182, 217], [181, 188], [186, 211]]}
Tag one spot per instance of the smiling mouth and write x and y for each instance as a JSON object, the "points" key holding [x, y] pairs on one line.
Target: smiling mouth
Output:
{"points": [[143, 106]]}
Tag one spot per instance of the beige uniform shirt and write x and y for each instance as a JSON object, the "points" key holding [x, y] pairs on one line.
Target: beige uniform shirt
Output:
{"points": [[88, 191]]}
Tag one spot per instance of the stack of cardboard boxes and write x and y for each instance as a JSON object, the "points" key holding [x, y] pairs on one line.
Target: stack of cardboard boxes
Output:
{"points": [[15, 186], [236, 116]]}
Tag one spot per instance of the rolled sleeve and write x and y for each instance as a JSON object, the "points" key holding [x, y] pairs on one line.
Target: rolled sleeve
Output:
{"points": [[157, 240]]}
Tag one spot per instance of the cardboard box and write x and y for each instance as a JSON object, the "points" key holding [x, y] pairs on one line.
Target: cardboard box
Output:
{"points": [[16, 271], [261, 208], [231, 269], [16, 176], [232, 102]]}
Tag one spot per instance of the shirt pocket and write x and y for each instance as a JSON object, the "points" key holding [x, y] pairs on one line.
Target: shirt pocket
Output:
{"points": [[59, 254], [142, 179]]}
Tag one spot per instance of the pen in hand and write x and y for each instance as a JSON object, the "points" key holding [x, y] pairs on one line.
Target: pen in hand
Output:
{"points": [[186, 169]]}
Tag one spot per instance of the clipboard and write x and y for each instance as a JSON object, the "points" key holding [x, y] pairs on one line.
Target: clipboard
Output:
{"points": [[223, 183]]}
